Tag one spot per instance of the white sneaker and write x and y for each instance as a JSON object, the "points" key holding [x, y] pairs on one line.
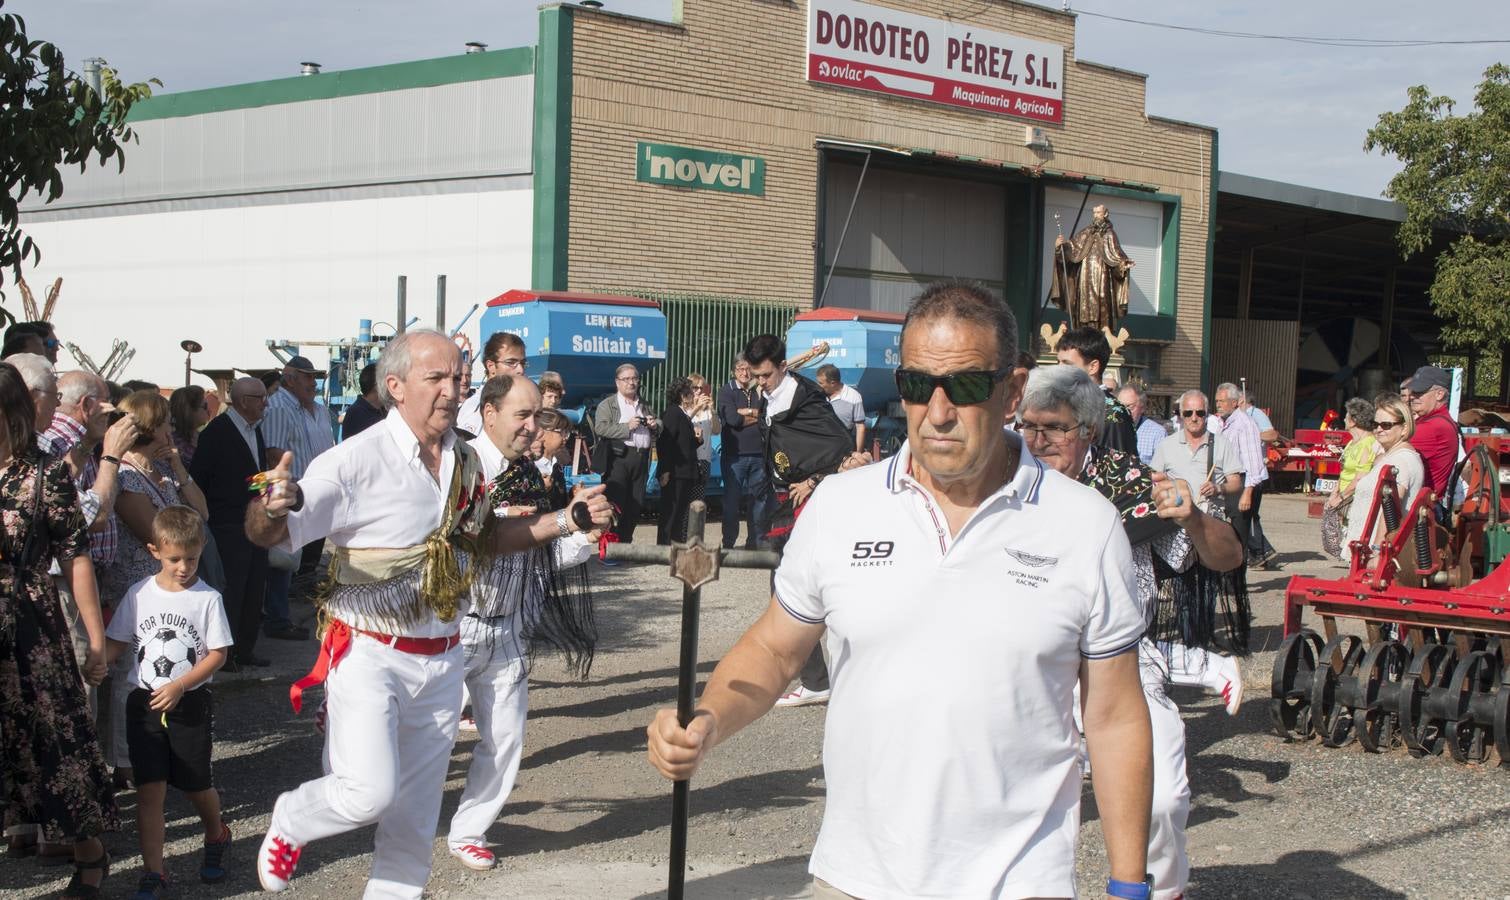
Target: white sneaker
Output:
{"points": [[478, 859], [467, 724], [801, 696], [1224, 677], [276, 859]]}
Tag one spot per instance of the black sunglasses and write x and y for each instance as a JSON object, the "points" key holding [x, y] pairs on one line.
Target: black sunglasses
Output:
{"points": [[1187, 413], [962, 388]]}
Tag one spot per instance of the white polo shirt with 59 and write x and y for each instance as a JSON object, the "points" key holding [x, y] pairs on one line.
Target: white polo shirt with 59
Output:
{"points": [[950, 753]]}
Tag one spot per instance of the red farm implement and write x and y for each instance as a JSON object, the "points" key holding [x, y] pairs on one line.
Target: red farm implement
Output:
{"points": [[1434, 605]]}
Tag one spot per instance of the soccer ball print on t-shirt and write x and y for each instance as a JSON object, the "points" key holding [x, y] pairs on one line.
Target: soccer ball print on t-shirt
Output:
{"points": [[164, 655]]}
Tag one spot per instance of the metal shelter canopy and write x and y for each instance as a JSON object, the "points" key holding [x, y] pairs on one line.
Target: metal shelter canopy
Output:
{"points": [[1286, 251]]}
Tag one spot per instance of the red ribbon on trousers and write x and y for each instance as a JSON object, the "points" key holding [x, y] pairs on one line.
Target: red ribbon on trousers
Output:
{"points": [[337, 644]]}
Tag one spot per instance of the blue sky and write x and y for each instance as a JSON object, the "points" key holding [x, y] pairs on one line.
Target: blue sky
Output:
{"points": [[1292, 112]]}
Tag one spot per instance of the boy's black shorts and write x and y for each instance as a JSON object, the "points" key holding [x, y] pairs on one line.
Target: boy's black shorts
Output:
{"points": [[178, 753]]}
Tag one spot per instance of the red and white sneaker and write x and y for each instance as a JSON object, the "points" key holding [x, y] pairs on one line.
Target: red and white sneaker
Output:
{"points": [[801, 696], [477, 858], [1224, 677], [467, 725], [277, 859]]}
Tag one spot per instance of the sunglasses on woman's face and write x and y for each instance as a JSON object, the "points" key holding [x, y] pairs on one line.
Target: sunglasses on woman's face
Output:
{"points": [[962, 388], [1385, 424], [1187, 413]]}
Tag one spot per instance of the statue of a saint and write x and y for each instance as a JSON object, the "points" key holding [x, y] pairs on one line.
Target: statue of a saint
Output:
{"points": [[1090, 275]]}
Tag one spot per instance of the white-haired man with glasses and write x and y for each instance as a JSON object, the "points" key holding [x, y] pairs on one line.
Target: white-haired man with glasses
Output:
{"points": [[966, 557]]}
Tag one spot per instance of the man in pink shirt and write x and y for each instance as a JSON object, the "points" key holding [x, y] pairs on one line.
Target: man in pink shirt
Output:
{"points": [[1436, 437]]}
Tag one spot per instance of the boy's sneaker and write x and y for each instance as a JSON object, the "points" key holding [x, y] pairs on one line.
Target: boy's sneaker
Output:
{"points": [[801, 696], [212, 864], [276, 858], [467, 724], [152, 887], [477, 858]]}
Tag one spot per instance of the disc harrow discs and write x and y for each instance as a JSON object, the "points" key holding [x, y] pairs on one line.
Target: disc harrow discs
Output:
{"points": [[1333, 687], [1430, 667], [1502, 717], [1294, 670], [1472, 690], [1381, 677]]}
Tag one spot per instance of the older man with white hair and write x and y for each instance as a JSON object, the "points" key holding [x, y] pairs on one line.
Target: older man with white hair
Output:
{"points": [[295, 421], [405, 506], [1062, 411]]}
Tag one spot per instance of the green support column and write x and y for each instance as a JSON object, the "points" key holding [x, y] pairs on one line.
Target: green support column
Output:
{"points": [[1024, 212], [1210, 264], [552, 149]]}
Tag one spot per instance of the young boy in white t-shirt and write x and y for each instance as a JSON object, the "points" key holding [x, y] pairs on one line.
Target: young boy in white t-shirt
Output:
{"points": [[175, 629]]}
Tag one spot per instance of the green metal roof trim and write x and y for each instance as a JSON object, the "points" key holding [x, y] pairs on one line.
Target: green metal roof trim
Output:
{"points": [[351, 82]]}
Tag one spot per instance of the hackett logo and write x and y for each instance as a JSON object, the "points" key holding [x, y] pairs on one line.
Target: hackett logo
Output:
{"points": [[700, 169]]}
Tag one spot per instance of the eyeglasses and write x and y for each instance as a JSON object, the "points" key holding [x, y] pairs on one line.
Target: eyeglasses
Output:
{"points": [[1051, 434], [1380, 425], [1187, 413], [52, 343], [40, 393], [628, 380], [962, 388], [511, 362]]}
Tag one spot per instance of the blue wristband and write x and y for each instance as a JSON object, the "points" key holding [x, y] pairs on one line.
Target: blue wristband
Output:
{"points": [[1131, 890]]}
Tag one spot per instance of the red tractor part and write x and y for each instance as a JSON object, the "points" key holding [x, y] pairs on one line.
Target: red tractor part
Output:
{"points": [[1430, 670]]}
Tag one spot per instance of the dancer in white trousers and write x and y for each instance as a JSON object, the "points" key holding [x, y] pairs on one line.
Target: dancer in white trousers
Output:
{"points": [[403, 506], [513, 597], [1061, 412]]}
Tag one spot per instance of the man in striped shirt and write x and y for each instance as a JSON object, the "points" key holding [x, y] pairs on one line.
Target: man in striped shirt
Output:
{"points": [[298, 423], [1242, 433]]}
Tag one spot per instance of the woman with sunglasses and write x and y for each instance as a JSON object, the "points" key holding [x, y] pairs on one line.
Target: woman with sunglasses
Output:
{"points": [[1393, 427], [1063, 412]]}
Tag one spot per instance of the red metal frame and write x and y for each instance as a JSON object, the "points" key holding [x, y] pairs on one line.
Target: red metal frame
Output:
{"points": [[522, 296], [1370, 592]]}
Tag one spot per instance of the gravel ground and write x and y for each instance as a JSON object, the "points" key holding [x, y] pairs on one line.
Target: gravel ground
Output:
{"points": [[589, 818]]}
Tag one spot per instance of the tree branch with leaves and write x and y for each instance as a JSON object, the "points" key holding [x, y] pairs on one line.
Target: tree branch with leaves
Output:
{"points": [[51, 118], [1456, 177]]}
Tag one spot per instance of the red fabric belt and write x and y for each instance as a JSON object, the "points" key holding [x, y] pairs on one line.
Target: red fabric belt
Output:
{"points": [[337, 644]]}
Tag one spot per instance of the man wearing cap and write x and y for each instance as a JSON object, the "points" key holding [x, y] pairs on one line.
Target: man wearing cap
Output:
{"points": [[298, 423], [1436, 437]]}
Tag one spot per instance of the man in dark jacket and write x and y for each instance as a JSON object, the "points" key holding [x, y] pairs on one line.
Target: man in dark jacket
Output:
{"points": [[367, 411], [742, 458], [676, 463], [231, 450], [1086, 348], [804, 441]]}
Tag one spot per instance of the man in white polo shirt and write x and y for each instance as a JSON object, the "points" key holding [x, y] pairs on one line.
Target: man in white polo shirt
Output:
{"points": [[966, 553]]}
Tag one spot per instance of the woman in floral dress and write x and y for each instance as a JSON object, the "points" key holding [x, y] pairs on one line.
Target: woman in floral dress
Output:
{"points": [[50, 762]]}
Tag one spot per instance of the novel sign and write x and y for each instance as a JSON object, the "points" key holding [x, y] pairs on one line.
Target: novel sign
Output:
{"points": [[872, 48], [710, 170]]}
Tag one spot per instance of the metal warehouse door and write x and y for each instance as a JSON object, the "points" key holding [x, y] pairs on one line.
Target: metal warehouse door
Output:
{"points": [[908, 229]]}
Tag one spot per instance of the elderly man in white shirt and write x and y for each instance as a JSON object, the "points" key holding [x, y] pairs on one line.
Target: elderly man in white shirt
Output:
{"points": [[405, 505], [626, 431]]}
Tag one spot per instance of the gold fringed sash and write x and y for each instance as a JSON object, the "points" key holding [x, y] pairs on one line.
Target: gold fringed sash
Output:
{"points": [[442, 584]]}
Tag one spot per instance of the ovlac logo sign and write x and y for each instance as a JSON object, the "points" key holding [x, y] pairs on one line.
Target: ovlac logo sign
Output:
{"points": [[689, 167], [872, 48]]}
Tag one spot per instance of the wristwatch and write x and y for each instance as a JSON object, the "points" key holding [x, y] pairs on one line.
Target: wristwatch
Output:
{"points": [[1131, 890]]}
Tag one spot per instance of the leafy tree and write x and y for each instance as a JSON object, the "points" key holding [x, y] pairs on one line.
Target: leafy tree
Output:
{"points": [[1457, 178], [50, 118]]}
